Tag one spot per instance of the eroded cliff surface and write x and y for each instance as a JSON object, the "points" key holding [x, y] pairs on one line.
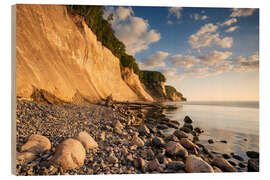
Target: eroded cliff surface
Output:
{"points": [[134, 83], [58, 53]]}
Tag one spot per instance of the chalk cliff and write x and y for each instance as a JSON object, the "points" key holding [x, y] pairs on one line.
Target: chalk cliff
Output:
{"points": [[58, 53]]}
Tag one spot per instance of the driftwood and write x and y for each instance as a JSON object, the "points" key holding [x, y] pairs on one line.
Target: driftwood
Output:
{"points": [[140, 104], [144, 105]]}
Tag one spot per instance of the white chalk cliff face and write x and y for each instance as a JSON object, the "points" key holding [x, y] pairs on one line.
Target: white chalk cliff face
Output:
{"points": [[60, 54], [134, 83]]}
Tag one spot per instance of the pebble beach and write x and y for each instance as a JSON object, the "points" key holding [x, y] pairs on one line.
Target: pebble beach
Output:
{"points": [[129, 141]]}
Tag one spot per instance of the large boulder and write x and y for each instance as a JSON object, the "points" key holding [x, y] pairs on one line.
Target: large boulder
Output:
{"points": [[36, 144], [197, 165], [25, 157], [87, 141], [223, 164], [69, 154], [175, 149], [189, 145]]}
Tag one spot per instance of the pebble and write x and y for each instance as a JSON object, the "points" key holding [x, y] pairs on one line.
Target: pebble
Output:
{"points": [[137, 141], [252, 154], [187, 119], [158, 142], [226, 156], [237, 157], [242, 165], [232, 163], [180, 134], [175, 165], [154, 165], [112, 158], [198, 130], [130, 157], [139, 162], [185, 129]]}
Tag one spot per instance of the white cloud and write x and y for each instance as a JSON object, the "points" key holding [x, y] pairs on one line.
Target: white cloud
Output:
{"points": [[197, 71], [238, 12], [231, 29], [133, 31], [207, 37], [199, 17], [229, 22], [207, 28], [214, 58], [204, 17], [179, 60], [243, 64], [154, 60], [124, 13], [175, 11], [172, 75], [221, 68]]}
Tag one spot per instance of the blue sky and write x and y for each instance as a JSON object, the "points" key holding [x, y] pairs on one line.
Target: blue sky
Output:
{"points": [[200, 50]]}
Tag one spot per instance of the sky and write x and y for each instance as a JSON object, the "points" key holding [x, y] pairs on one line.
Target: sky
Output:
{"points": [[208, 54]]}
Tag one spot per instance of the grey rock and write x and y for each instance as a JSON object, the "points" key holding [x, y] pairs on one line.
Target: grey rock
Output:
{"points": [[253, 165], [226, 156], [158, 142], [137, 141], [223, 164], [187, 119], [175, 165], [139, 163], [198, 130], [154, 165], [112, 158], [143, 130], [180, 134], [189, 126], [195, 164], [252, 154], [185, 129], [176, 149], [210, 141], [237, 157]]}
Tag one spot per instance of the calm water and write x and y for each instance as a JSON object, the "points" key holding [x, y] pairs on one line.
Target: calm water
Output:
{"points": [[230, 121]]}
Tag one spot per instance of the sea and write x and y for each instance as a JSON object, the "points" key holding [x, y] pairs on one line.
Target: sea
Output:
{"points": [[236, 122]]}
